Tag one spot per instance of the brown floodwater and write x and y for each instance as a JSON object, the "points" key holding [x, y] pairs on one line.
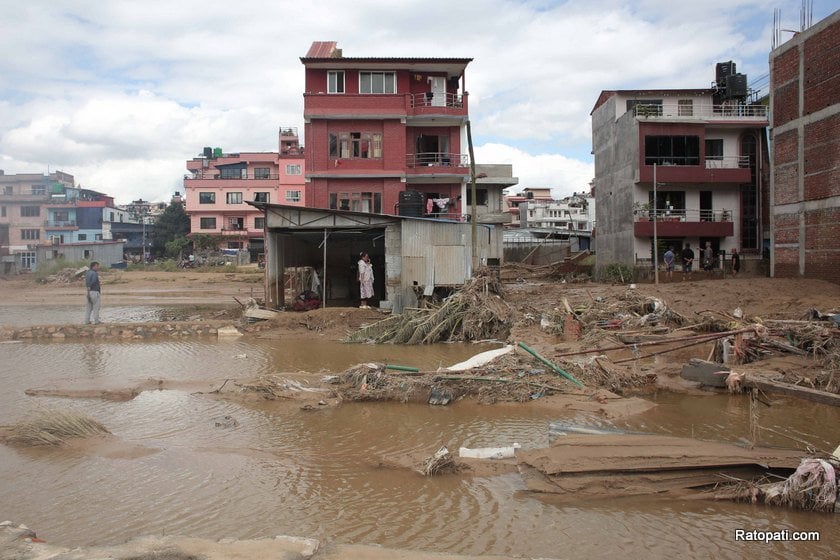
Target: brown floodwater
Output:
{"points": [[329, 474]]}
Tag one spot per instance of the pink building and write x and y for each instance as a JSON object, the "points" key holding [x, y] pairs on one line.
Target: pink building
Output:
{"points": [[386, 135], [221, 184]]}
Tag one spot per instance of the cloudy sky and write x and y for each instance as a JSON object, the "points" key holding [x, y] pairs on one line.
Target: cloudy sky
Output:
{"points": [[120, 93]]}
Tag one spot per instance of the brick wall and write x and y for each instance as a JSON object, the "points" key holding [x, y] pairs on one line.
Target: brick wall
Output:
{"points": [[822, 60]]}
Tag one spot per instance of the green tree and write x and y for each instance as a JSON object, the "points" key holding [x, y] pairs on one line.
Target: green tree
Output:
{"points": [[173, 223], [175, 248]]}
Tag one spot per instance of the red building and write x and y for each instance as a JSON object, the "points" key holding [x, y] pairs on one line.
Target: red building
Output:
{"points": [[386, 135]]}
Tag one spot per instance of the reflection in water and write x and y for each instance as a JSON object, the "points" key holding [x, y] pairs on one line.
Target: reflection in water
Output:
{"points": [[347, 474]]}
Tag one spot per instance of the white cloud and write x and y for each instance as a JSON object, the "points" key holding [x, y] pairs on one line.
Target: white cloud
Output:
{"points": [[101, 89]]}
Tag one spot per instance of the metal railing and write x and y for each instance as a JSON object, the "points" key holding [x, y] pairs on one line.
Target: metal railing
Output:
{"points": [[699, 110], [436, 159], [429, 99], [60, 223], [683, 215], [711, 162]]}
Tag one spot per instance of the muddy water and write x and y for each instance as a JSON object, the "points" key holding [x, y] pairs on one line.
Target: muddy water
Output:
{"points": [[330, 474]]}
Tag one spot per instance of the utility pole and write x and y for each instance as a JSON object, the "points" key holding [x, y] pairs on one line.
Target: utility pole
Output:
{"points": [[655, 239], [473, 210]]}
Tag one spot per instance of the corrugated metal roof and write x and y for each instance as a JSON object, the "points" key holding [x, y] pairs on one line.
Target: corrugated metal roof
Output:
{"points": [[321, 49]]}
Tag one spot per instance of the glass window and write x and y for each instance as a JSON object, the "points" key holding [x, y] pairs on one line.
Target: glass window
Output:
{"points": [[480, 197], [292, 169], [377, 82], [208, 223], [262, 173], [259, 223], [30, 211], [233, 198], [672, 150], [206, 198], [2, 211], [82, 237], [29, 234], [262, 197], [27, 260], [39, 189], [234, 173], [335, 81], [357, 145], [714, 149], [685, 107], [292, 196]]}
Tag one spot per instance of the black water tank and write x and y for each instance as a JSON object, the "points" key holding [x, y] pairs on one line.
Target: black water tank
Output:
{"points": [[208, 152], [736, 85], [722, 70], [411, 204]]}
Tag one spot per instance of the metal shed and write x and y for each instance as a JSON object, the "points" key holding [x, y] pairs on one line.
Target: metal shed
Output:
{"points": [[408, 254]]}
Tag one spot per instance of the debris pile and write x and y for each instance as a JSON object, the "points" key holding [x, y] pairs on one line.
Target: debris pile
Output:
{"points": [[474, 312], [64, 276], [441, 462]]}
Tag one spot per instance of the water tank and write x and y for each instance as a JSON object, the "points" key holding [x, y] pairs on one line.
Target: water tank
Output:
{"points": [[736, 85], [208, 152], [411, 204], [217, 152], [722, 70]]}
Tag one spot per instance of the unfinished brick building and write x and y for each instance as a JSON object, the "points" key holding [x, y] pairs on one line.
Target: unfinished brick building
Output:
{"points": [[805, 179]]}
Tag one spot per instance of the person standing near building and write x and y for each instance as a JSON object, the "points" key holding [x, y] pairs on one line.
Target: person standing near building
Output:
{"points": [[708, 258], [93, 294], [688, 261], [736, 262], [365, 280], [669, 259]]}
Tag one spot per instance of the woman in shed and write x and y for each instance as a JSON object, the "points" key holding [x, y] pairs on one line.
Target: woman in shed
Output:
{"points": [[365, 280]]}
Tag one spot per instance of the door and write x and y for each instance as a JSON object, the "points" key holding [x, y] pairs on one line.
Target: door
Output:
{"points": [[438, 91]]}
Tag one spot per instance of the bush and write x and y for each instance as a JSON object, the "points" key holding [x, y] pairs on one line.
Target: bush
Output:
{"points": [[618, 273], [52, 267]]}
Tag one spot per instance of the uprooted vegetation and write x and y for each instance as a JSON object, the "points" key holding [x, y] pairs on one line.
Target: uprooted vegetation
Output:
{"points": [[52, 428], [474, 312]]}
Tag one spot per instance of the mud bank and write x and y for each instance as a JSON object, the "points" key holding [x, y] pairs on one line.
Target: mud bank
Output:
{"points": [[21, 543], [114, 331]]}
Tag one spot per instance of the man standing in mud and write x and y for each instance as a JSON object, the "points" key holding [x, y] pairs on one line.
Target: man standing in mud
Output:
{"points": [[688, 261], [93, 293]]}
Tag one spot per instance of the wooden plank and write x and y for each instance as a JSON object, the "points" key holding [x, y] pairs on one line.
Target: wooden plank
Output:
{"points": [[805, 393]]}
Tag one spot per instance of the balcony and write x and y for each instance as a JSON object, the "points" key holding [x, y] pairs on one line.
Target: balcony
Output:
{"points": [[60, 224], [693, 169], [443, 165], [323, 105], [202, 175], [750, 113], [684, 223], [429, 103]]}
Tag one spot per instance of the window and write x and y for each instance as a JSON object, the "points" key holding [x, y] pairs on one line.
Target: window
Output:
{"points": [[335, 81], [61, 217], [27, 260], [262, 197], [480, 197], [207, 223], [292, 196], [29, 234], [357, 145], [672, 150], [236, 223], [685, 107], [2, 211], [645, 107], [98, 237], [8, 190], [112, 217], [30, 211], [39, 189], [262, 173], [82, 237], [233, 173], [377, 82], [292, 169], [207, 198], [259, 223], [233, 198], [357, 201], [714, 149]]}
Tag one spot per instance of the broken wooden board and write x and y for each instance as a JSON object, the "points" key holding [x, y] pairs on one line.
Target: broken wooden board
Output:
{"points": [[636, 464], [769, 386], [705, 373]]}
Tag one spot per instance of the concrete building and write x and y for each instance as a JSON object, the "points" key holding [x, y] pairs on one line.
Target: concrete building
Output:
{"points": [[409, 255], [48, 211], [220, 184], [387, 135], [805, 182], [705, 154]]}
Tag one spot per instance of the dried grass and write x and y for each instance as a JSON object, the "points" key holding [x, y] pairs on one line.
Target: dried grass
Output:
{"points": [[55, 428], [440, 463]]}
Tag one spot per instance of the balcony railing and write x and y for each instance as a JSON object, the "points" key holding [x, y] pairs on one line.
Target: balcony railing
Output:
{"points": [[712, 162], [429, 99], [683, 215], [654, 110], [242, 177], [436, 159], [60, 223]]}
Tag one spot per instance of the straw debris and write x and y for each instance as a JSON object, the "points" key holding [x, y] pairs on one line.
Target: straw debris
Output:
{"points": [[55, 428]]}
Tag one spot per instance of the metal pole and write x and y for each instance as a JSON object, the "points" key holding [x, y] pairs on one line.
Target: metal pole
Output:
{"points": [[473, 222], [324, 282], [655, 238], [143, 217]]}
